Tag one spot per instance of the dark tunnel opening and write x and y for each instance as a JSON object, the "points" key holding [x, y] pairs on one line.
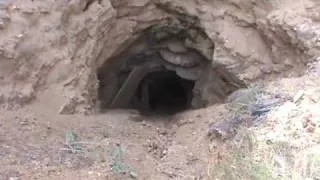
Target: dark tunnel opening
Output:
{"points": [[160, 73], [163, 92]]}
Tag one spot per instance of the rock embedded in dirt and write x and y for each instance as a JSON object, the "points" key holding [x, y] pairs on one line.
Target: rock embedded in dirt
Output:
{"points": [[133, 175], [186, 60], [225, 129], [176, 47], [4, 19], [14, 178]]}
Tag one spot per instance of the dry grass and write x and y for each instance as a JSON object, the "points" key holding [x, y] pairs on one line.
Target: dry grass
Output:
{"points": [[102, 151], [237, 160], [249, 158], [282, 148]]}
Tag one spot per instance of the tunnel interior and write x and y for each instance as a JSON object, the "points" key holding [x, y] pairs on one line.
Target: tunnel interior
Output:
{"points": [[164, 70], [163, 92]]}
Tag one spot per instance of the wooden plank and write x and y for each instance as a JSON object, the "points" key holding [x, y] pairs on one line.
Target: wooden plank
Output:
{"points": [[129, 87]]}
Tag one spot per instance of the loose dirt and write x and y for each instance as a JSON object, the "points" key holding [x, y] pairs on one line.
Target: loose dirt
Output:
{"points": [[50, 52]]}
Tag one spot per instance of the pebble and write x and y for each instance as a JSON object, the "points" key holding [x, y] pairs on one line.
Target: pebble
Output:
{"points": [[133, 174], [14, 178]]}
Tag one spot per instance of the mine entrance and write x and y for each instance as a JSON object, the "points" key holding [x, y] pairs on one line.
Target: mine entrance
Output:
{"points": [[163, 92], [167, 69]]}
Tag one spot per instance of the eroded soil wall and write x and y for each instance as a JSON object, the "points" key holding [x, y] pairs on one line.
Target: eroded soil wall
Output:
{"points": [[51, 50]]}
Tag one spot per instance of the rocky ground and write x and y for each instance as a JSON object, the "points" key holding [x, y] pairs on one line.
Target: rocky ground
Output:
{"points": [[49, 55]]}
